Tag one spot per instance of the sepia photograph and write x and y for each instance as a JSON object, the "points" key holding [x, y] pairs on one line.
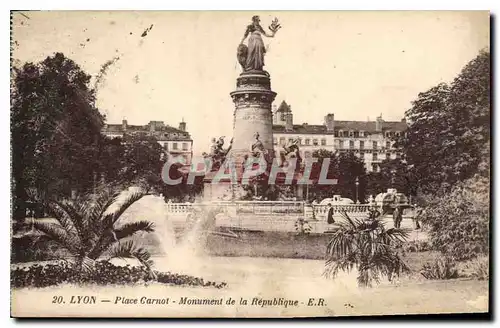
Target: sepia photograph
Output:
{"points": [[250, 164]]}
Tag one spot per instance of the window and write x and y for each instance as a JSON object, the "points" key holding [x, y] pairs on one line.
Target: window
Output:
{"points": [[338, 144], [374, 145], [388, 144], [308, 141], [307, 154], [174, 146], [362, 154], [323, 142], [336, 133], [398, 134], [351, 144], [346, 144], [375, 156], [282, 141], [165, 146], [290, 139], [351, 133], [282, 116], [315, 142], [275, 141], [341, 133], [361, 145], [356, 134], [387, 155], [361, 133], [387, 134], [185, 146]]}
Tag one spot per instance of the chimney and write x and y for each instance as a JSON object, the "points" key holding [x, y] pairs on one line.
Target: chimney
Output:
{"points": [[182, 126], [378, 123], [289, 122], [124, 125], [330, 122]]}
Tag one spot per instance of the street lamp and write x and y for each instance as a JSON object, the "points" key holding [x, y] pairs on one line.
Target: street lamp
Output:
{"points": [[357, 186]]}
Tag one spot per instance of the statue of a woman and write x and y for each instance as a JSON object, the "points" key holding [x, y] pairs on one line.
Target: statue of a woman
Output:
{"points": [[252, 57]]}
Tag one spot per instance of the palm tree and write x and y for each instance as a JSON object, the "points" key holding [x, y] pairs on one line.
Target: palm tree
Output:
{"points": [[366, 245], [87, 228]]}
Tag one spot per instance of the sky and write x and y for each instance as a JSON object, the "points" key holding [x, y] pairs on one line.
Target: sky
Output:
{"points": [[356, 65]]}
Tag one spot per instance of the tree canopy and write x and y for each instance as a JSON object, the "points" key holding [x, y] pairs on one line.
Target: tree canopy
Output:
{"points": [[55, 128], [448, 138]]}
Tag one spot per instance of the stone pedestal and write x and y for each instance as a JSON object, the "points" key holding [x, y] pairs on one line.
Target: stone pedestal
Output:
{"points": [[252, 115], [253, 98]]}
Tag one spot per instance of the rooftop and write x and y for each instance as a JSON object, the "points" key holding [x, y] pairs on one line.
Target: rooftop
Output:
{"points": [[153, 126], [366, 126]]}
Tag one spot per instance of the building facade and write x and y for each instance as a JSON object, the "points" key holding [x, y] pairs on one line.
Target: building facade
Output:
{"points": [[175, 141], [371, 140]]}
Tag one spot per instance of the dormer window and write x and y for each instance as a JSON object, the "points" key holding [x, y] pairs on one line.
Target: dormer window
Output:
{"points": [[361, 133], [351, 133], [341, 133]]}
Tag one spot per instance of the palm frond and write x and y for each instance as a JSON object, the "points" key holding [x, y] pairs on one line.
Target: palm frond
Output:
{"points": [[348, 219], [340, 245], [85, 264], [101, 202], [134, 197], [76, 218], [63, 218], [59, 235], [400, 235], [130, 228], [128, 249], [345, 264]]}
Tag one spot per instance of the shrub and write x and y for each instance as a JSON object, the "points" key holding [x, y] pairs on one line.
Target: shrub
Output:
{"points": [[105, 273], [478, 268], [416, 246], [441, 269], [36, 248], [459, 220], [302, 226]]}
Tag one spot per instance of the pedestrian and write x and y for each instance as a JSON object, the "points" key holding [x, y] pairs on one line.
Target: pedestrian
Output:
{"points": [[397, 217], [330, 219]]}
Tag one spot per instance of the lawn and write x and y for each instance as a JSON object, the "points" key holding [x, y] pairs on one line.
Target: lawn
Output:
{"points": [[268, 278]]}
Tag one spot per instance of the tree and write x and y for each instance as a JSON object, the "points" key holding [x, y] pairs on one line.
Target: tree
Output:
{"points": [[143, 161], [345, 167], [447, 139], [55, 129], [458, 220], [394, 173], [320, 191], [366, 245], [87, 229], [350, 168]]}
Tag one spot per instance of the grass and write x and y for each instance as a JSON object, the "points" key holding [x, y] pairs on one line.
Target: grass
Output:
{"points": [[267, 278]]}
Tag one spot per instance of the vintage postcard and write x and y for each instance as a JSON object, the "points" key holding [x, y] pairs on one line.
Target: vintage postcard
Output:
{"points": [[180, 164]]}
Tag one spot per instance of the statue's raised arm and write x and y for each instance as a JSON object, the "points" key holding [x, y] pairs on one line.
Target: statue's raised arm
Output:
{"points": [[251, 57]]}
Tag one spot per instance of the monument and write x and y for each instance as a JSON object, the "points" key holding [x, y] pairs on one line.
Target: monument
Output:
{"points": [[252, 118]]}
